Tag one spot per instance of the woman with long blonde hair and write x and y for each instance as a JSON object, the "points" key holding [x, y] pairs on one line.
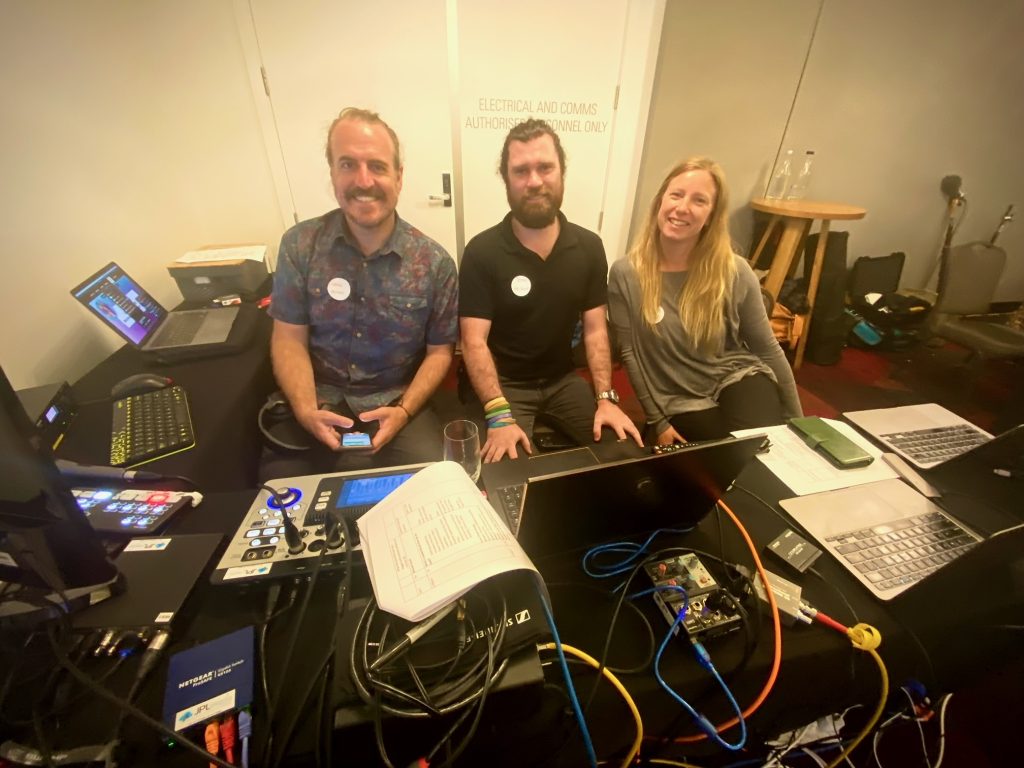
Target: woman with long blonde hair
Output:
{"points": [[690, 320]]}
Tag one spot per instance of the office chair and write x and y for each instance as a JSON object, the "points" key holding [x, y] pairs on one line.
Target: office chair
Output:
{"points": [[962, 313]]}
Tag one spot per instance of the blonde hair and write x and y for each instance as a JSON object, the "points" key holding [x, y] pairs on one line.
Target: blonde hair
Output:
{"points": [[711, 266]]}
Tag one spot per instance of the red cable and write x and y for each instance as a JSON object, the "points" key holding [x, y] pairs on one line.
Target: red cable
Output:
{"points": [[227, 737], [828, 621]]}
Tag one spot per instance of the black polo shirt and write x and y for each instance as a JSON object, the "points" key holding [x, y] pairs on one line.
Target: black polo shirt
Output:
{"points": [[533, 303]]}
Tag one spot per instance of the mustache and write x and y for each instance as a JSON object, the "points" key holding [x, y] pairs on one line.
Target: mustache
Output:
{"points": [[355, 192]]}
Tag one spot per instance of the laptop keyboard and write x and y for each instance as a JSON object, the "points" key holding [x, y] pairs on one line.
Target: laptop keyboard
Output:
{"points": [[510, 498], [150, 425], [179, 330], [931, 446], [903, 551]]}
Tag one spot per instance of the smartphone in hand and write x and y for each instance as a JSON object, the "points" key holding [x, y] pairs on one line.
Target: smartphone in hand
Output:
{"points": [[355, 441]]}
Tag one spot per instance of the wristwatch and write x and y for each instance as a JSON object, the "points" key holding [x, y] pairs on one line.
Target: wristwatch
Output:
{"points": [[608, 394]]}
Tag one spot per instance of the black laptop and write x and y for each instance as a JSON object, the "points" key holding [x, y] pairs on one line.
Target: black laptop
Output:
{"points": [[618, 500], [126, 307]]}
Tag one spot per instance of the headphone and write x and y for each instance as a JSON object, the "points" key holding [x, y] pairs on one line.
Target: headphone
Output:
{"points": [[279, 427]]}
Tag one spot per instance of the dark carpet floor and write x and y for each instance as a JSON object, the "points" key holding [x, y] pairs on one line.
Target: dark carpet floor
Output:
{"points": [[989, 393]]}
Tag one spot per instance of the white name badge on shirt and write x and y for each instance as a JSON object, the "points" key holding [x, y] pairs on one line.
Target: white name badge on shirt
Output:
{"points": [[660, 315], [521, 285], [339, 289]]}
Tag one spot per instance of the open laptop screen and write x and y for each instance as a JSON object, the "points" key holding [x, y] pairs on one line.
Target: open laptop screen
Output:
{"points": [[121, 303], [623, 499]]}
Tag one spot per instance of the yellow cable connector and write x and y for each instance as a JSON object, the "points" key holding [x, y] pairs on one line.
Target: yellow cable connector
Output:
{"points": [[865, 637]]}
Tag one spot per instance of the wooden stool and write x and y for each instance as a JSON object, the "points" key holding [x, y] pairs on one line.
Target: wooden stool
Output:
{"points": [[796, 218]]}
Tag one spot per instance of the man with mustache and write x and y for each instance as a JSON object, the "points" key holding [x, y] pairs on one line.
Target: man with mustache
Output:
{"points": [[365, 313], [524, 284]]}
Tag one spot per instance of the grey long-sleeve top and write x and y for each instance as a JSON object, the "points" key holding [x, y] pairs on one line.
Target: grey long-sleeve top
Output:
{"points": [[667, 373]]}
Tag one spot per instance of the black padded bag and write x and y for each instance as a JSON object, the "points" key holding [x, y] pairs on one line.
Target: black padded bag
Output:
{"points": [[828, 325]]}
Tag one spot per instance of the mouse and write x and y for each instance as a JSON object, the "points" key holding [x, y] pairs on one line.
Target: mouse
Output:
{"points": [[139, 383]]}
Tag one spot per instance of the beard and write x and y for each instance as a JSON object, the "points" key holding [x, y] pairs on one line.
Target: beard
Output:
{"points": [[537, 210]]}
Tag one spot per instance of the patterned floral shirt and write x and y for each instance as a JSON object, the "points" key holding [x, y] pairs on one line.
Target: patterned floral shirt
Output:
{"points": [[370, 318]]}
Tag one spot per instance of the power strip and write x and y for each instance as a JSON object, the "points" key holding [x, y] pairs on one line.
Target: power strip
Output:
{"points": [[709, 612]]}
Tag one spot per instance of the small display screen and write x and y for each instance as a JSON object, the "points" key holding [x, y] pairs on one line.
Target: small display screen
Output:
{"points": [[52, 413], [369, 490], [356, 440], [121, 302]]}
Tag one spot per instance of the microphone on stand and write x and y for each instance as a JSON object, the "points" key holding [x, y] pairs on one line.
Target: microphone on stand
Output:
{"points": [[951, 187]]}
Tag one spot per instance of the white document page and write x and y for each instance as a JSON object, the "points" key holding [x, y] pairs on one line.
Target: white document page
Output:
{"points": [[251, 252], [806, 471], [432, 539]]}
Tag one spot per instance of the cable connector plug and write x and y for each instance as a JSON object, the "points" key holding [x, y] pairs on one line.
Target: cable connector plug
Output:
{"points": [[703, 657], [244, 732], [227, 737], [212, 735], [865, 637], [706, 725]]}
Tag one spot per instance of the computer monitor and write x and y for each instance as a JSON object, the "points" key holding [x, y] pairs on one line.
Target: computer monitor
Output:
{"points": [[46, 543]]}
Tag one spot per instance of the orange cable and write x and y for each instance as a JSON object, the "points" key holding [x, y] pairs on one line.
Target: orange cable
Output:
{"points": [[776, 626]]}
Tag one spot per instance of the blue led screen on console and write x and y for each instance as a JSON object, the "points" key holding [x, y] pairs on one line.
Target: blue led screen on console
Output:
{"points": [[369, 490]]}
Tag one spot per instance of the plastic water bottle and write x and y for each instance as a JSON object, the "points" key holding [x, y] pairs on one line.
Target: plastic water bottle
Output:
{"points": [[798, 189], [779, 185]]}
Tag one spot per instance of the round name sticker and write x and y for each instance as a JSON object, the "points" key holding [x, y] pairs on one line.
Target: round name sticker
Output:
{"points": [[521, 285], [660, 316], [339, 289]]}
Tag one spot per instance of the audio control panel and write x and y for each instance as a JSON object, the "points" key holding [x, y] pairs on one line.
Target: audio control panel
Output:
{"points": [[684, 584], [285, 534], [132, 511]]}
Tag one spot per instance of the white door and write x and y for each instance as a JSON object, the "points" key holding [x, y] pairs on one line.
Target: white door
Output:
{"points": [[451, 77], [390, 56], [558, 61]]}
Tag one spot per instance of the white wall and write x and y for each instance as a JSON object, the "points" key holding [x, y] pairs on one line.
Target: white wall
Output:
{"points": [[129, 134], [895, 96]]}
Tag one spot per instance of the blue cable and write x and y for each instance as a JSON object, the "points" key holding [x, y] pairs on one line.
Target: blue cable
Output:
{"points": [[630, 548], [661, 588], [705, 661], [576, 708]]}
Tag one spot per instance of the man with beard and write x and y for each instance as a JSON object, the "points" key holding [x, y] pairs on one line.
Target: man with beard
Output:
{"points": [[524, 284], [365, 313]]}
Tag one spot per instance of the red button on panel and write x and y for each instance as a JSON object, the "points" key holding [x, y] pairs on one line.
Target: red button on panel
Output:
{"points": [[158, 498]]}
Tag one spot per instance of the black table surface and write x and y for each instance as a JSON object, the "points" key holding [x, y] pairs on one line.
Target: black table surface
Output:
{"points": [[224, 395], [820, 671]]}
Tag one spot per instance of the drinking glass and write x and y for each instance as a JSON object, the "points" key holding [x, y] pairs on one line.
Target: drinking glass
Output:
{"points": [[462, 445]]}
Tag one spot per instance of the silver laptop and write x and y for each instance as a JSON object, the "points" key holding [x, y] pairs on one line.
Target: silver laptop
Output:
{"points": [[885, 533], [120, 302], [925, 435], [928, 554]]}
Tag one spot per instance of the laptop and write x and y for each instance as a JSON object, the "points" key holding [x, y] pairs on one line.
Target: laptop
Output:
{"points": [[925, 435], [891, 538], [599, 503], [125, 306]]}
